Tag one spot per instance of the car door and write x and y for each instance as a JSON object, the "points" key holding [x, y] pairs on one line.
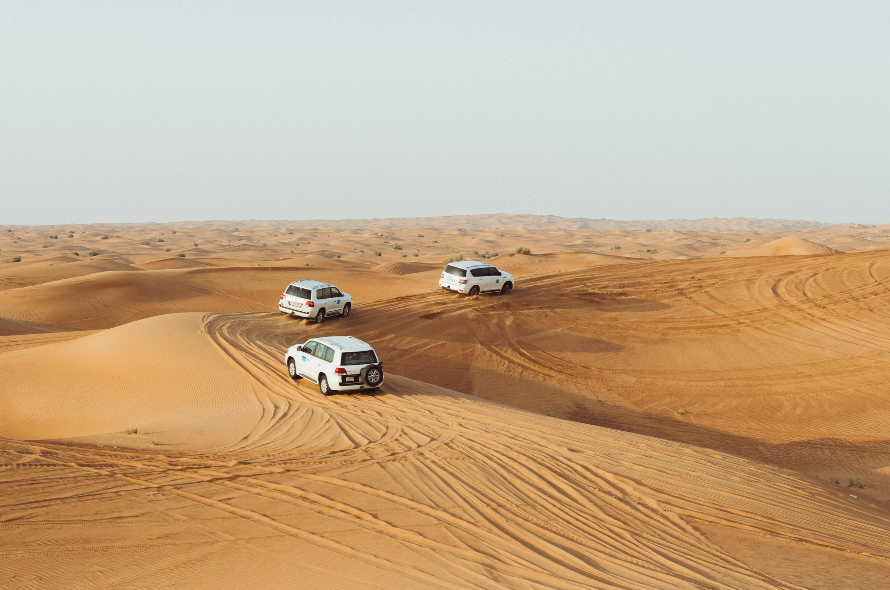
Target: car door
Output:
{"points": [[495, 281], [322, 354], [306, 362], [324, 300], [337, 299]]}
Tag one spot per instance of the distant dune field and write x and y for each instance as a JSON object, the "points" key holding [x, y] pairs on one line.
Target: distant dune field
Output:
{"points": [[702, 405]]}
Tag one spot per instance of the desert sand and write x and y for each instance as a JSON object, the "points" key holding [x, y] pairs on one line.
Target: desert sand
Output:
{"points": [[702, 405]]}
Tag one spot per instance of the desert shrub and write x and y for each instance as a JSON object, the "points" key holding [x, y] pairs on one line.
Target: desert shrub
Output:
{"points": [[415, 253], [652, 251], [475, 252], [16, 258], [132, 430], [747, 239], [167, 250], [404, 255], [76, 253], [396, 247], [337, 256], [153, 442], [92, 253], [648, 231], [104, 237], [181, 255], [54, 237], [722, 252], [70, 235], [451, 259], [44, 246], [194, 243], [378, 254], [522, 250], [419, 235], [435, 241], [291, 250], [160, 239], [501, 234]]}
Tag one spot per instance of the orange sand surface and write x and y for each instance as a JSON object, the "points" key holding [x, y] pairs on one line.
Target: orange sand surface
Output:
{"points": [[655, 416]]}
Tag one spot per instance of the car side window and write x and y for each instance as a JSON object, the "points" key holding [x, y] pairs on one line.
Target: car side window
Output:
{"points": [[319, 351], [329, 354], [335, 292], [324, 293], [479, 272], [310, 347], [493, 272]]}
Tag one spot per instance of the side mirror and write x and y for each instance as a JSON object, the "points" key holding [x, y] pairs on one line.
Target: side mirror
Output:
{"points": [[299, 349]]}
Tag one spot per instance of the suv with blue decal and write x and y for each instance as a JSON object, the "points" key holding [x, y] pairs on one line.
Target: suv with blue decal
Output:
{"points": [[314, 300], [472, 277]]}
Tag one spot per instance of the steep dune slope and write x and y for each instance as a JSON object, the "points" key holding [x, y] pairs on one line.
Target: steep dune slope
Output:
{"points": [[428, 488]]}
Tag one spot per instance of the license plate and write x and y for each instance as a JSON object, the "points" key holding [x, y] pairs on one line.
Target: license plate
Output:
{"points": [[350, 380]]}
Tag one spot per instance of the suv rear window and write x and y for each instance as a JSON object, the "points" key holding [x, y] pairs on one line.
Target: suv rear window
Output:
{"points": [[365, 357], [300, 292], [458, 272]]}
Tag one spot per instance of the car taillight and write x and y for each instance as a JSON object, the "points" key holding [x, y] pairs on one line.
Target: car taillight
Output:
{"points": [[310, 304], [462, 282], [339, 371], [282, 296]]}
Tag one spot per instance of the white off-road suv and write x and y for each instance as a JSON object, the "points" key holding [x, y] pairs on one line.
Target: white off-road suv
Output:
{"points": [[472, 277], [336, 363], [314, 300]]}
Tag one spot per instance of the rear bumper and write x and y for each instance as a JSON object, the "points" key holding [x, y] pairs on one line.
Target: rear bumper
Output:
{"points": [[352, 386], [295, 312], [447, 287]]}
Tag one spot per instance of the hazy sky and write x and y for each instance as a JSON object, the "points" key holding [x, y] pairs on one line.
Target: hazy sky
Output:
{"points": [[160, 111]]}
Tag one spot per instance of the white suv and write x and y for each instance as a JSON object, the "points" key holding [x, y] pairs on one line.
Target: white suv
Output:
{"points": [[336, 363], [314, 300], [472, 277]]}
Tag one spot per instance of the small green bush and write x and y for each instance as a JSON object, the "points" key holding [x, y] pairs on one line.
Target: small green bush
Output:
{"points": [[648, 231], [396, 247], [419, 235], [132, 430], [160, 239], [44, 246], [337, 256], [377, 254], [181, 255], [435, 241], [16, 258], [722, 252], [522, 250], [104, 237], [167, 250], [76, 253], [92, 253], [451, 259]]}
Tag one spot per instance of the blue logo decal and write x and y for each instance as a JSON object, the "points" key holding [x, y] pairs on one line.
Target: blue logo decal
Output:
{"points": [[338, 301], [304, 358], [497, 281]]}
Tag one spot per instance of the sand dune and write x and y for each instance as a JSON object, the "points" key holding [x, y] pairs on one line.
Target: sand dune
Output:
{"points": [[416, 487], [787, 246], [640, 412]]}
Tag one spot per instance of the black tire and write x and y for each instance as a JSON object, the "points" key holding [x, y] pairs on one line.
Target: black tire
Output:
{"points": [[292, 369], [474, 290], [505, 290], [323, 386], [372, 376], [346, 309], [319, 317]]}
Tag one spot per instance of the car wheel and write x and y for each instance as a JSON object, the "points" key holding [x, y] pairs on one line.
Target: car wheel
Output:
{"points": [[473, 291], [505, 290], [346, 309], [292, 369], [319, 317], [372, 375], [323, 386]]}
